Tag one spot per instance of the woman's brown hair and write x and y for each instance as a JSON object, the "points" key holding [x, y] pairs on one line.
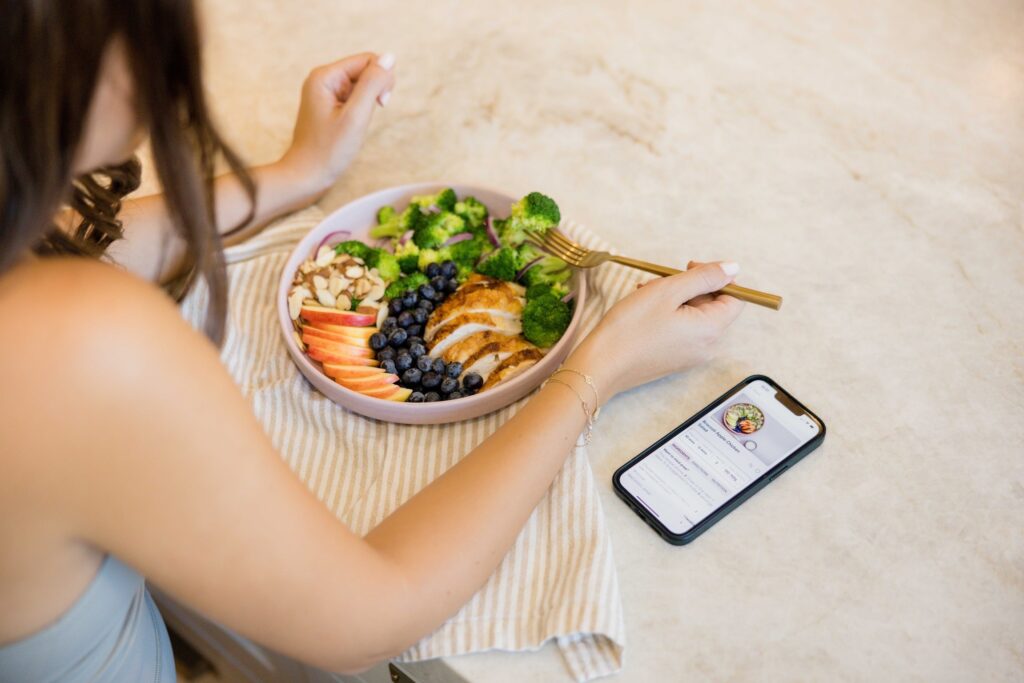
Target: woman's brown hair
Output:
{"points": [[50, 57]]}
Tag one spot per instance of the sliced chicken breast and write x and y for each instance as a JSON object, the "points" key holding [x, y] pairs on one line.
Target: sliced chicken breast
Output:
{"points": [[445, 340], [512, 366], [475, 345], [496, 301]]}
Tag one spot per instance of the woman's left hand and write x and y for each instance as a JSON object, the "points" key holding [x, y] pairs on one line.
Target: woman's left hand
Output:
{"points": [[338, 101]]}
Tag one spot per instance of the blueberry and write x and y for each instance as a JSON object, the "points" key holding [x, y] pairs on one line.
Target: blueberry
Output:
{"points": [[413, 339], [405, 319], [378, 341], [431, 380], [420, 315], [438, 282], [389, 367], [403, 361], [411, 377], [396, 306], [415, 397], [410, 298], [448, 385], [449, 269], [454, 395], [472, 382], [428, 292], [386, 354], [425, 363], [426, 305], [451, 285], [417, 349], [398, 337], [454, 369], [415, 330], [433, 270], [439, 366], [389, 324], [431, 396]]}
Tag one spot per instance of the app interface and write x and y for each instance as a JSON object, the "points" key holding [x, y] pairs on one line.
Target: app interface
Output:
{"points": [[708, 463]]}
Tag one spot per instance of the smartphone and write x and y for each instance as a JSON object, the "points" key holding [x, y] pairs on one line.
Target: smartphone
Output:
{"points": [[706, 467]]}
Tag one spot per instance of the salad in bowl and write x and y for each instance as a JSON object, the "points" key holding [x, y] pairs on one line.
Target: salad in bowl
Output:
{"points": [[430, 304]]}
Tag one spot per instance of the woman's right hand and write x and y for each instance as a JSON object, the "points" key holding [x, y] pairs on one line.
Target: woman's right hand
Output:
{"points": [[668, 325]]}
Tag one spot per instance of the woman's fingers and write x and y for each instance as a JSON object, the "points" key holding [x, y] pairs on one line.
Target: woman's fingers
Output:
{"points": [[702, 279], [372, 87]]}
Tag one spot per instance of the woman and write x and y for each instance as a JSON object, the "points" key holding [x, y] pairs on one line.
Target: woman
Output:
{"points": [[126, 449]]}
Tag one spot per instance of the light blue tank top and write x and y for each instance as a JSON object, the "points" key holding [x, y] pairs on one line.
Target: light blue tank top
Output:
{"points": [[112, 633]]}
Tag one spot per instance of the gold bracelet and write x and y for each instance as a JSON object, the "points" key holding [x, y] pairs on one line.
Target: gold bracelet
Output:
{"points": [[590, 382], [583, 403]]}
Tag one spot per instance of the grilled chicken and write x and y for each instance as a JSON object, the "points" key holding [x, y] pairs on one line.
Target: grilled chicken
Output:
{"points": [[479, 295], [515, 364], [477, 345]]}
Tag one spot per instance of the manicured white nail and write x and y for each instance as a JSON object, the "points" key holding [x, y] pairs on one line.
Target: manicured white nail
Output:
{"points": [[386, 61], [384, 97], [729, 268]]}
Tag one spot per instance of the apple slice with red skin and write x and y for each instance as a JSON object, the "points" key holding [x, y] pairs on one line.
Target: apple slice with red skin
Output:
{"points": [[332, 316], [401, 395], [361, 383], [361, 342], [343, 330], [351, 371], [330, 357], [385, 392], [336, 347]]}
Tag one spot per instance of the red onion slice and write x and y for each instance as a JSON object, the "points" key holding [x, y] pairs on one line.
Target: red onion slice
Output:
{"points": [[406, 236], [491, 234], [569, 297], [342, 235], [384, 243], [531, 264], [455, 239]]}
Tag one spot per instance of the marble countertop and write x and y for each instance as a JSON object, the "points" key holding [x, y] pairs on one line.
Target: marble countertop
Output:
{"points": [[862, 159]]}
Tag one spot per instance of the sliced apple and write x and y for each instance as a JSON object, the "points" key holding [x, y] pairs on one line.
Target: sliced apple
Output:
{"points": [[332, 358], [345, 330], [332, 316], [353, 362], [401, 395], [338, 337], [336, 347], [361, 383], [351, 371], [385, 391]]}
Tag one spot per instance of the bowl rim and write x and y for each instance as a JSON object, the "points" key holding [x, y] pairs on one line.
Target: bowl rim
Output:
{"points": [[502, 395]]}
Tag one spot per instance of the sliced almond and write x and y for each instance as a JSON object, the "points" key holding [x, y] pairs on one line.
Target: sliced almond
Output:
{"points": [[304, 291], [354, 272], [335, 285], [382, 313], [362, 287], [295, 304], [298, 340], [307, 267], [319, 282], [375, 293], [310, 302], [324, 256], [358, 260], [343, 303], [326, 298]]}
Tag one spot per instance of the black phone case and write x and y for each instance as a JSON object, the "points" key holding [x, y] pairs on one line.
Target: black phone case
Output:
{"points": [[733, 503]]}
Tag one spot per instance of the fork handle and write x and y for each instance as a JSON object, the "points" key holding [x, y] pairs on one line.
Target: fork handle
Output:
{"points": [[772, 301]]}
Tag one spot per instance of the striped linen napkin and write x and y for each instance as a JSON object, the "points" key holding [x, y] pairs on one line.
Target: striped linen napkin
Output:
{"points": [[558, 581]]}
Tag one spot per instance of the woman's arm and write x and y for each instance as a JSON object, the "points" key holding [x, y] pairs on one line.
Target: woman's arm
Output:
{"points": [[337, 106], [169, 470]]}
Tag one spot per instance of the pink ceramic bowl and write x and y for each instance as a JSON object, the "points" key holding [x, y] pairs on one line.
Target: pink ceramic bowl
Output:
{"points": [[358, 217]]}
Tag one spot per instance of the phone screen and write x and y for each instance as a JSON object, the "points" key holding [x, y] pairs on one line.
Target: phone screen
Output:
{"points": [[729, 448]]}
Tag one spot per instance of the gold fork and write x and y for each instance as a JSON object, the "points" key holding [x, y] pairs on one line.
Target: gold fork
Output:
{"points": [[575, 254]]}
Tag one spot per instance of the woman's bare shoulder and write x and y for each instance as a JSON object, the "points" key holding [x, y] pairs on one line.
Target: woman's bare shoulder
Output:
{"points": [[80, 339]]}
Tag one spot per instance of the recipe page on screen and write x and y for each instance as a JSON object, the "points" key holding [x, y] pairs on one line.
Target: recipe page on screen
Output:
{"points": [[708, 463]]}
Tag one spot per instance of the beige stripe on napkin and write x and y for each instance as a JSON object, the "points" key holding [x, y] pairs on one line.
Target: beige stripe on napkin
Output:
{"points": [[558, 581]]}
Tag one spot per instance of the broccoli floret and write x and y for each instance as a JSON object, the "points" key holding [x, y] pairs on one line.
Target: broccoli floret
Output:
{"points": [[408, 256], [545, 319], [354, 248], [535, 213], [541, 288], [443, 200], [468, 252], [472, 210], [437, 229], [428, 256], [386, 265], [502, 264], [549, 271], [403, 285], [388, 224], [412, 218]]}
